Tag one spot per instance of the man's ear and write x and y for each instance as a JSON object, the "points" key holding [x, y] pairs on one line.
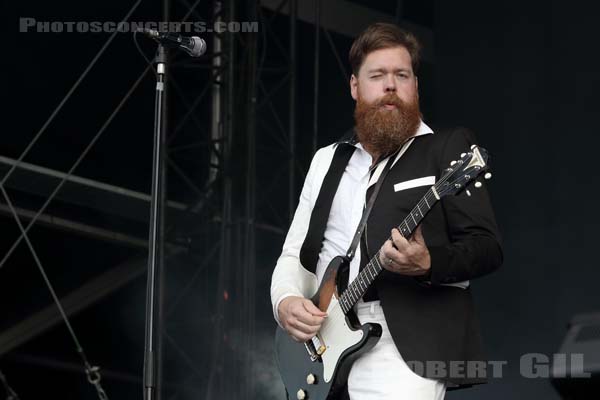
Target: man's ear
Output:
{"points": [[354, 87], [417, 86]]}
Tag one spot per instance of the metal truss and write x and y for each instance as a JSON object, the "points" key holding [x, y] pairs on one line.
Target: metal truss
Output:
{"points": [[234, 176]]}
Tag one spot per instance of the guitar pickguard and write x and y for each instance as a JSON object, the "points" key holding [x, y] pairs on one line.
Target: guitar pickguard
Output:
{"points": [[337, 337]]}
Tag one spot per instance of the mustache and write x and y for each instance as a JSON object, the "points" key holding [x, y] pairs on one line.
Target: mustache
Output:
{"points": [[389, 98]]}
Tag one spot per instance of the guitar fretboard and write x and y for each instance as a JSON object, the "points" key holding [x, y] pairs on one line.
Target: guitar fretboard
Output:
{"points": [[367, 276]]}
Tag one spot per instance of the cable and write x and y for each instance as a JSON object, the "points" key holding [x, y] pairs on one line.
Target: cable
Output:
{"points": [[92, 372], [137, 45], [75, 165], [10, 393]]}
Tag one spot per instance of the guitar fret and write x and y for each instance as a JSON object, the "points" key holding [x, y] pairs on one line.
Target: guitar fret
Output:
{"points": [[406, 230], [379, 267], [425, 198], [431, 197], [413, 218], [368, 277], [355, 293]]}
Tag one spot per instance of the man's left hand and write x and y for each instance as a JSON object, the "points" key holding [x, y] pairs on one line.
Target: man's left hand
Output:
{"points": [[406, 257]]}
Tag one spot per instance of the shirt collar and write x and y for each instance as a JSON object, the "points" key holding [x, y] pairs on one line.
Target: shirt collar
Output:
{"points": [[424, 129]]}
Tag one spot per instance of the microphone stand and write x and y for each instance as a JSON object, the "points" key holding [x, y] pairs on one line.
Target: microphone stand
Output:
{"points": [[152, 350]]}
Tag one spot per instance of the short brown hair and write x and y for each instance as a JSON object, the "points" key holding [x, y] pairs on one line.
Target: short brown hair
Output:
{"points": [[379, 36]]}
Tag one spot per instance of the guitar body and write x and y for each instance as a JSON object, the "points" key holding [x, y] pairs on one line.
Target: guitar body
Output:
{"points": [[342, 336]]}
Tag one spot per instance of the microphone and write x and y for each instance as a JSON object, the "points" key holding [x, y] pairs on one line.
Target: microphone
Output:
{"points": [[193, 45]]}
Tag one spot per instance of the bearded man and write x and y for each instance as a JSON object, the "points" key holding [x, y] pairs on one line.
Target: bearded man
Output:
{"points": [[430, 339]]}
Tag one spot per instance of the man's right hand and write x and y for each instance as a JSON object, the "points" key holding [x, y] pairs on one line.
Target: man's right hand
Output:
{"points": [[300, 317]]}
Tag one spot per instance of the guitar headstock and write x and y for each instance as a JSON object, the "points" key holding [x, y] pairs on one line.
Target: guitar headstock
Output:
{"points": [[462, 172]]}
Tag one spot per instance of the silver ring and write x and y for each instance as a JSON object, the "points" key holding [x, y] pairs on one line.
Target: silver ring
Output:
{"points": [[390, 261]]}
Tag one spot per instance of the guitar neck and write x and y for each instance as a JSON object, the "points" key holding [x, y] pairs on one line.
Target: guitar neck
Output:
{"points": [[366, 277]]}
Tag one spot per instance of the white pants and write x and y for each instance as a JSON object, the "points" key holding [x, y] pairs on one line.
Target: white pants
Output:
{"points": [[381, 373]]}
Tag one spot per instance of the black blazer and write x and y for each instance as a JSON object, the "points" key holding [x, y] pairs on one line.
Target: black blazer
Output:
{"points": [[428, 321]]}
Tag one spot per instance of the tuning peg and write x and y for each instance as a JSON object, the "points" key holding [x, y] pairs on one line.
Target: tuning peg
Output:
{"points": [[462, 155], [468, 193], [488, 175], [452, 162], [473, 146], [478, 184]]}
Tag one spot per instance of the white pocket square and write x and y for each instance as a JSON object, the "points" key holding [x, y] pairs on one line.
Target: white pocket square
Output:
{"points": [[424, 181]]}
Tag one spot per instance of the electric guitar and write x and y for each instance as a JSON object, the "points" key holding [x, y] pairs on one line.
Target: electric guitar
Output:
{"points": [[319, 368]]}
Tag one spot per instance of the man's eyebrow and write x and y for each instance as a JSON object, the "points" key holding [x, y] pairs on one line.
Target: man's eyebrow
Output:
{"points": [[381, 69]]}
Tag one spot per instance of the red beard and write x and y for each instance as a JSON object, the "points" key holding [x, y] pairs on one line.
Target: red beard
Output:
{"points": [[382, 131]]}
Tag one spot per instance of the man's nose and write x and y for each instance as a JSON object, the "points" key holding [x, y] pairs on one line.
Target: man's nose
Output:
{"points": [[390, 84]]}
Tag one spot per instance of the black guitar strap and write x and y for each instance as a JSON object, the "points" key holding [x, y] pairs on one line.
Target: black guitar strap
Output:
{"points": [[309, 253], [363, 221]]}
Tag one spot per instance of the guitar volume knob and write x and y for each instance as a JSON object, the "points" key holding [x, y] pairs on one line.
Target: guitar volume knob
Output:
{"points": [[301, 395], [310, 379]]}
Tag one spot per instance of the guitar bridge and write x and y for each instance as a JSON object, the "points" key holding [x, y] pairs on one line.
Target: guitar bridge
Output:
{"points": [[315, 348]]}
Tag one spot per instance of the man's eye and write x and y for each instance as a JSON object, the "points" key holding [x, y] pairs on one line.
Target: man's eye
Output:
{"points": [[375, 76]]}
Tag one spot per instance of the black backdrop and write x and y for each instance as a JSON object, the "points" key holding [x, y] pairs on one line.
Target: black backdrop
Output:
{"points": [[524, 76]]}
